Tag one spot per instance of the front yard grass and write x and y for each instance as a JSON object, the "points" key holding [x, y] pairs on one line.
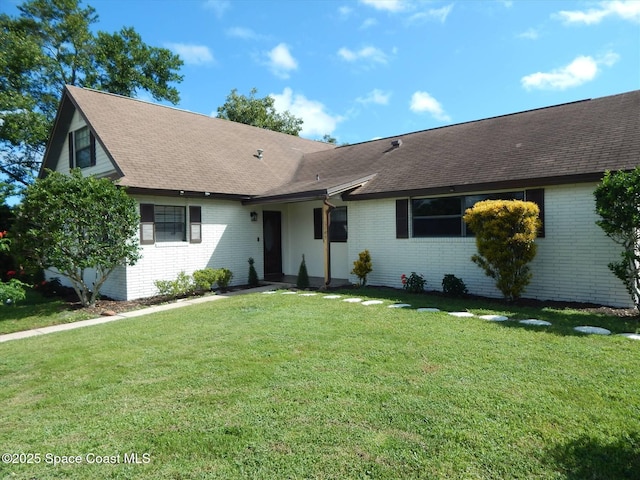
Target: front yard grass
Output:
{"points": [[38, 311], [284, 386]]}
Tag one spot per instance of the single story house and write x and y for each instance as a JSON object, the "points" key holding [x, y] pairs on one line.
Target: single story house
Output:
{"points": [[212, 193]]}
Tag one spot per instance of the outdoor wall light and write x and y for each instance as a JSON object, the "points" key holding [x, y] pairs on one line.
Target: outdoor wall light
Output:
{"points": [[254, 216]]}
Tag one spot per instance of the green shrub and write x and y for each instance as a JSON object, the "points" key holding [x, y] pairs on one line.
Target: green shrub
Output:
{"points": [[181, 286], [253, 275], [205, 279], [362, 267], [505, 233], [303, 277], [224, 276], [452, 285], [12, 292], [414, 283]]}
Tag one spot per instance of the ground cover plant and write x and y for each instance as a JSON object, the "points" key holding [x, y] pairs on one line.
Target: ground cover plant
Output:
{"points": [[286, 386]]}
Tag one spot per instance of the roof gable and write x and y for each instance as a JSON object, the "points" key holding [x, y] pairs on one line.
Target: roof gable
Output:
{"points": [[163, 148]]}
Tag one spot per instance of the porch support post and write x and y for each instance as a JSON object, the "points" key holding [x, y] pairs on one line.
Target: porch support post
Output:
{"points": [[326, 243]]}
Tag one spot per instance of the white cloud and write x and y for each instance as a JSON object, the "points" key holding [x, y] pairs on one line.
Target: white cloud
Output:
{"points": [[581, 70], [626, 10], [192, 54], [423, 102], [375, 96], [344, 11], [281, 61], [369, 53], [531, 34], [218, 6], [438, 14], [388, 5], [317, 122], [369, 22], [243, 33]]}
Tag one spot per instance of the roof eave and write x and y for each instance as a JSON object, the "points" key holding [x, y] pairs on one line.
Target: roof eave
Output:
{"points": [[479, 187]]}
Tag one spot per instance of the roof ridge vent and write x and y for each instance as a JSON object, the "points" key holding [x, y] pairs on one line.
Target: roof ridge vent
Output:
{"points": [[396, 143]]}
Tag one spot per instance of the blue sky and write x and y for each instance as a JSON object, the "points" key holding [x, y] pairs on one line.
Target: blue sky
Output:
{"points": [[359, 70]]}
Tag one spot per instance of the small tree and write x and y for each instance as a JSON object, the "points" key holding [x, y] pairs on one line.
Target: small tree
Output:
{"points": [[74, 223], [303, 277], [618, 204], [253, 275], [362, 267], [505, 232]]}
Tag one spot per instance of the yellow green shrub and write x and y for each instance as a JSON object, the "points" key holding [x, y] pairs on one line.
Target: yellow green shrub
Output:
{"points": [[505, 233]]}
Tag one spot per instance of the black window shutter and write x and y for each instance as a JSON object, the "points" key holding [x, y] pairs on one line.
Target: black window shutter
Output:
{"points": [[317, 223], [147, 230], [195, 224], [70, 150], [92, 148], [146, 212], [537, 196], [195, 214], [402, 218]]}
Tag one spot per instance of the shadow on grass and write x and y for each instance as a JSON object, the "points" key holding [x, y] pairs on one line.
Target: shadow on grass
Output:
{"points": [[562, 318], [591, 458], [35, 304]]}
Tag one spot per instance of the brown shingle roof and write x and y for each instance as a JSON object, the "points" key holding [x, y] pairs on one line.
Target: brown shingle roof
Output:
{"points": [[163, 148], [571, 142]]}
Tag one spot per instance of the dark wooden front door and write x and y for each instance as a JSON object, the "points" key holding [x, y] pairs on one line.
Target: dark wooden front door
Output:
{"points": [[272, 237]]}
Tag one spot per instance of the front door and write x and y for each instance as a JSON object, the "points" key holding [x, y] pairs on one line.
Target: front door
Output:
{"points": [[272, 237]]}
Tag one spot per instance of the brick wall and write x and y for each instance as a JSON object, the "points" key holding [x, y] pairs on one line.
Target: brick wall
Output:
{"points": [[571, 263]]}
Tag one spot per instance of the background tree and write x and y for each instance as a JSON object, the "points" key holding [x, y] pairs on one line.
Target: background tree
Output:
{"points": [[505, 232], [75, 224], [50, 45], [258, 112], [618, 204]]}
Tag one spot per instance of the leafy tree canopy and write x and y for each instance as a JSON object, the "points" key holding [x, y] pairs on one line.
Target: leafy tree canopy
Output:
{"points": [[76, 225], [258, 112], [50, 45], [618, 204]]}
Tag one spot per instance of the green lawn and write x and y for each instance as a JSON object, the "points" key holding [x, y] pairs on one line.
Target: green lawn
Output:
{"points": [[283, 386], [37, 311]]}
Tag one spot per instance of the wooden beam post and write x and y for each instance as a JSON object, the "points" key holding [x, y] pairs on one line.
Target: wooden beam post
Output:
{"points": [[326, 242]]}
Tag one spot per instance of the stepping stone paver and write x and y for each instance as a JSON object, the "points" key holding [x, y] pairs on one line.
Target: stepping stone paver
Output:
{"points": [[289, 293], [494, 318], [461, 314], [593, 330], [308, 294], [399, 305], [632, 336], [352, 300], [428, 309], [331, 297], [372, 302], [535, 322]]}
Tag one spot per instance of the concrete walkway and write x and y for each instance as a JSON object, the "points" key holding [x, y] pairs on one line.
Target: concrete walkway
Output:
{"points": [[134, 313]]}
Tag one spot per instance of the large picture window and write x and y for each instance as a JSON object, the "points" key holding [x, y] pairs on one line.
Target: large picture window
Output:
{"points": [[442, 216]]}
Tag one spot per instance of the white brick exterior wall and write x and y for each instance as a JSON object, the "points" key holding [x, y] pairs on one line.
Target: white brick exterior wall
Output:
{"points": [[571, 263], [229, 238], [299, 241]]}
